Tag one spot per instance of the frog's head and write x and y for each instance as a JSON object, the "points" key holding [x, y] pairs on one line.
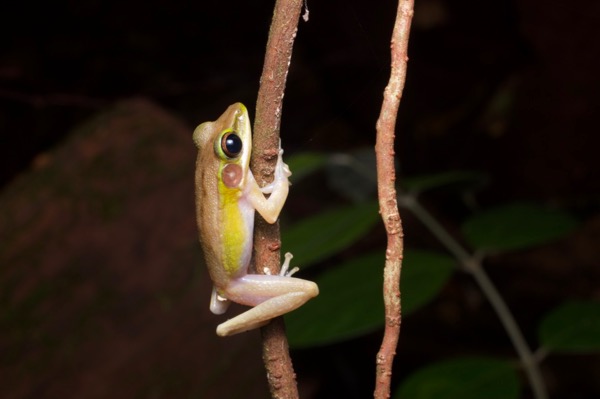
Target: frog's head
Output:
{"points": [[228, 142]]}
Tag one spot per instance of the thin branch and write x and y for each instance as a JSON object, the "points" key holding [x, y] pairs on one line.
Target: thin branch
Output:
{"points": [[278, 364], [412, 203], [473, 265], [386, 177], [512, 328]]}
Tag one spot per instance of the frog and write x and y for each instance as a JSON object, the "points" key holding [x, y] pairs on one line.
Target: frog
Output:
{"points": [[227, 198]]}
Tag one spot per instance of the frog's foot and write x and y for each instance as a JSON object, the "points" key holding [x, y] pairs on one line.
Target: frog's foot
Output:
{"points": [[284, 268], [218, 303], [286, 265]]}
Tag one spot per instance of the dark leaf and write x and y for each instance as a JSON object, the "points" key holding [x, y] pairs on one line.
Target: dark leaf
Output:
{"points": [[516, 226], [465, 378], [572, 327], [350, 301], [460, 180], [318, 237], [304, 164]]}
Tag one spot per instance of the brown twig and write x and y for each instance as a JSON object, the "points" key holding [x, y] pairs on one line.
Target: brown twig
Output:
{"points": [[386, 176], [278, 364]]}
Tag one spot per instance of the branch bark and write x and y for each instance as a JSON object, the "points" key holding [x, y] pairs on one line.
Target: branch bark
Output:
{"points": [[386, 176], [276, 357]]}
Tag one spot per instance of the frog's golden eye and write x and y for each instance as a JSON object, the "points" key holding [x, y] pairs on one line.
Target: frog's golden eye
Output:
{"points": [[231, 144]]}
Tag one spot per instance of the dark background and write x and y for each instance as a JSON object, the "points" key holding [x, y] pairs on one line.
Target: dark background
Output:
{"points": [[62, 61], [507, 87]]}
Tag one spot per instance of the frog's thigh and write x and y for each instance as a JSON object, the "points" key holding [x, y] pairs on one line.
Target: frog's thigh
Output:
{"points": [[254, 289]]}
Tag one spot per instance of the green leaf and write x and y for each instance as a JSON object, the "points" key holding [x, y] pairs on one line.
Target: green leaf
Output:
{"points": [[349, 304], [572, 327], [461, 180], [304, 164], [424, 274], [350, 301], [318, 237], [465, 378], [516, 226]]}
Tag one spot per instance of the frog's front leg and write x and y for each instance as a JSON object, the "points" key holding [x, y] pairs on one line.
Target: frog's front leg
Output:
{"points": [[269, 208], [271, 296]]}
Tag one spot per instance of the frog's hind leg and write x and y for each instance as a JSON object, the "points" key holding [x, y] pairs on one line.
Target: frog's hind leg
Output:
{"points": [[218, 304], [271, 296], [261, 314]]}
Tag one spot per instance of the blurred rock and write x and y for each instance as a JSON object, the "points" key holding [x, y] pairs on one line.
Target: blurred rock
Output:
{"points": [[103, 293]]}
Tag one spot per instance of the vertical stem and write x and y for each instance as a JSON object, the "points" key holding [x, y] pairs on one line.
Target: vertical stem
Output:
{"points": [[276, 357], [386, 176]]}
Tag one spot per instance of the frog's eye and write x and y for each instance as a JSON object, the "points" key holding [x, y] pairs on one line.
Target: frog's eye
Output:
{"points": [[231, 144]]}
